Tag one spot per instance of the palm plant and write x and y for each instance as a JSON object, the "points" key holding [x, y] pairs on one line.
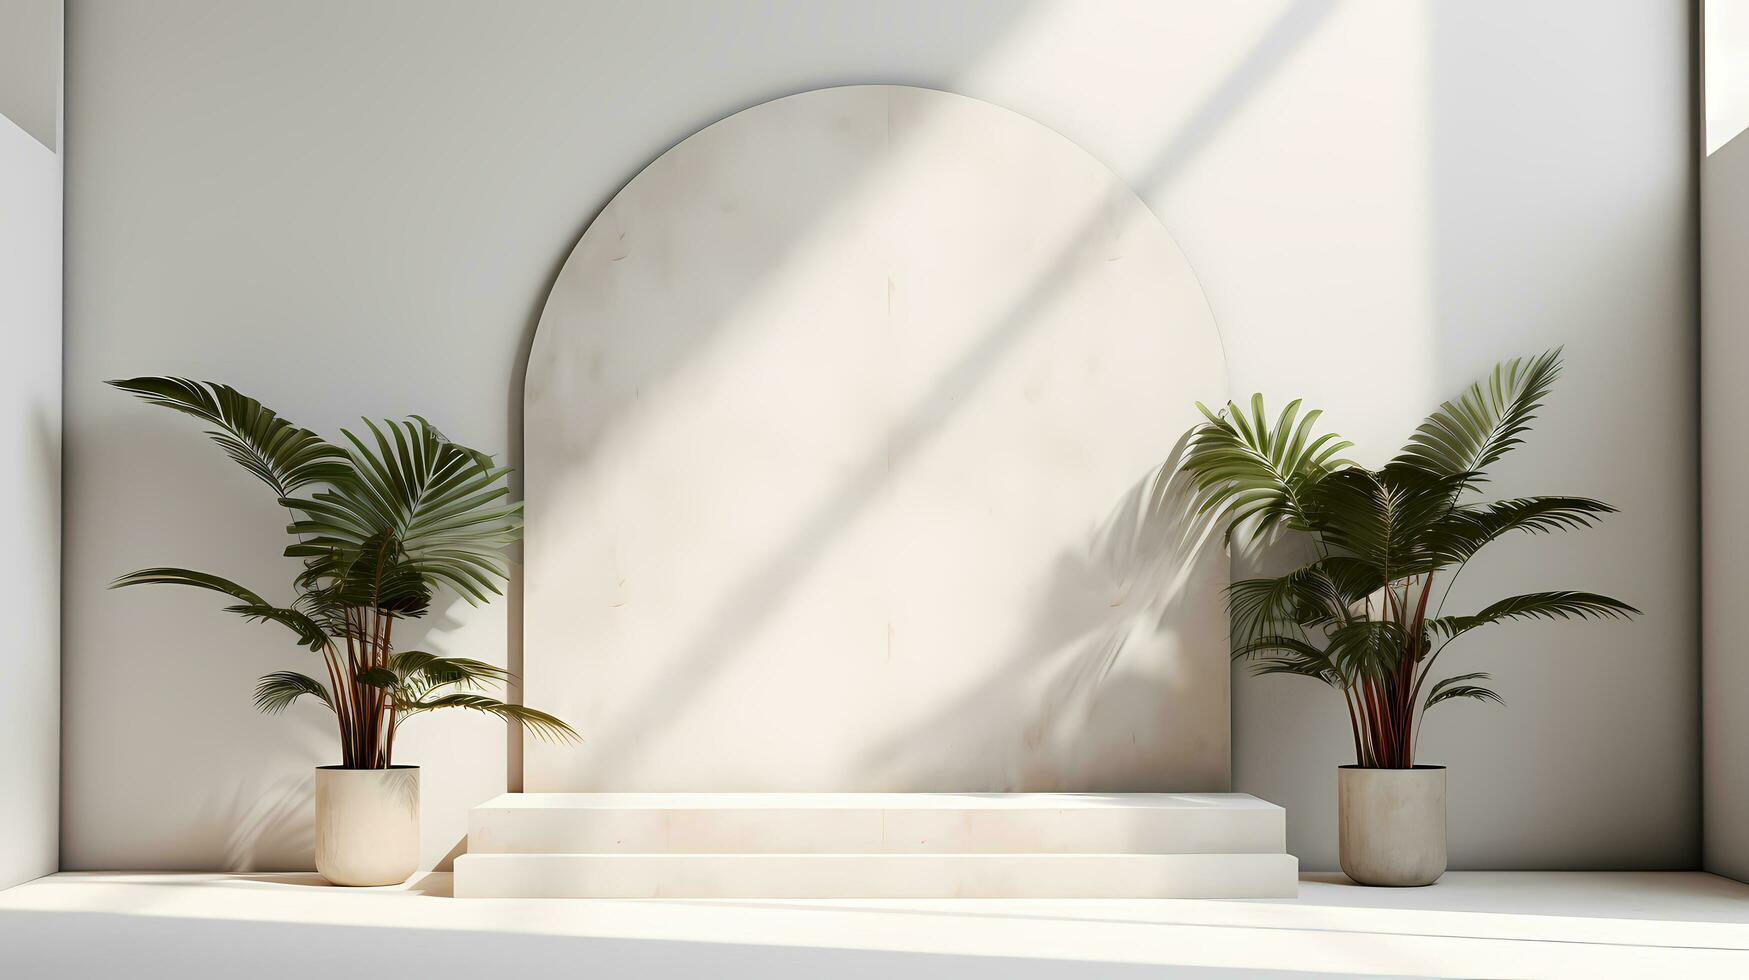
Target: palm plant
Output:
{"points": [[1359, 615], [380, 525]]}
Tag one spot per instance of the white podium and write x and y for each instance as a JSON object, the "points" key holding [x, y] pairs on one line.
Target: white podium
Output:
{"points": [[876, 845]]}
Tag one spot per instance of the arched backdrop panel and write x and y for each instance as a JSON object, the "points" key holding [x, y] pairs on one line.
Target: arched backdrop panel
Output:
{"points": [[842, 423]]}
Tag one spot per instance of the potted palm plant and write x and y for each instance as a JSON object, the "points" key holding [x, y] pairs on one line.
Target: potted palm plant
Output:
{"points": [[1365, 614], [380, 526]]}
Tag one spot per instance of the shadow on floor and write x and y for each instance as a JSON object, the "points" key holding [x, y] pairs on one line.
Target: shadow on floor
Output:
{"points": [[91, 944]]}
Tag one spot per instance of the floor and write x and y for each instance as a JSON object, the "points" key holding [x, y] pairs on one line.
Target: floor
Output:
{"points": [[1471, 924]]}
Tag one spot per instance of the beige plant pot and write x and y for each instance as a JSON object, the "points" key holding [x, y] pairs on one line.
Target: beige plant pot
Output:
{"points": [[367, 824], [1392, 824]]}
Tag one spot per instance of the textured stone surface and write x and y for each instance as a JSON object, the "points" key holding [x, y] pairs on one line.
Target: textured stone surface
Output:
{"points": [[889, 823], [840, 425], [1108, 876]]}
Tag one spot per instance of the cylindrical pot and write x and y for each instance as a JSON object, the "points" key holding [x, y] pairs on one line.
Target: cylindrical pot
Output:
{"points": [[367, 824], [1393, 824]]}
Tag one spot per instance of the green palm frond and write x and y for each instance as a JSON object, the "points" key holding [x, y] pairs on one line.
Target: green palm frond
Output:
{"points": [[379, 677], [1457, 687], [1297, 666], [1384, 519], [1367, 647], [1246, 468], [543, 726], [1352, 578], [374, 575], [423, 672], [1302, 598], [437, 500], [253, 607], [1473, 431], [1535, 605], [1467, 529], [278, 690], [1292, 655], [280, 454], [321, 603], [188, 577], [310, 633]]}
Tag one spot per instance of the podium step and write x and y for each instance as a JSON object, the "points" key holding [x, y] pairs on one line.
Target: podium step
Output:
{"points": [[876, 845], [821, 876], [876, 823]]}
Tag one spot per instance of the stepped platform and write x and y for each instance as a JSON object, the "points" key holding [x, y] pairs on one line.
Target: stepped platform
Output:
{"points": [[876, 845]]}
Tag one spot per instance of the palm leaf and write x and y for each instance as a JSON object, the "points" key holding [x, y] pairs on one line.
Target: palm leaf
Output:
{"points": [[1483, 424], [542, 725], [1298, 667], [278, 690], [1456, 687], [1293, 656], [436, 500], [1367, 647], [1387, 519], [381, 677], [280, 454], [190, 578], [1245, 469], [1535, 605], [422, 672], [374, 575], [253, 607], [310, 633], [1304, 597], [1465, 530]]}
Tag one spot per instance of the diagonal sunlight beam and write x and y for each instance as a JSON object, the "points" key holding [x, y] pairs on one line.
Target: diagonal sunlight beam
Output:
{"points": [[744, 608]]}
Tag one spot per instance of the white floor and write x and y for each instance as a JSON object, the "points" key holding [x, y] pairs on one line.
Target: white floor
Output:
{"points": [[1471, 924]]}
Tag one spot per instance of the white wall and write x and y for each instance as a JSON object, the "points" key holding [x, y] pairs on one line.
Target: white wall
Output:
{"points": [[30, 67], [30, 455], [358, 209], [1725, 71], [1724, 223], [1553, 208]]}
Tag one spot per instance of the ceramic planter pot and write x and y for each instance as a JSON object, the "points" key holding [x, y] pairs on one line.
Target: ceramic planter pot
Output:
{"points": [[1393, 824], [367, 824]]}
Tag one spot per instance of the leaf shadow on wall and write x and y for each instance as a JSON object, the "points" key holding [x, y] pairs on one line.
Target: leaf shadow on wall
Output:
{"points": [[272, 827], [1093, 680]]}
